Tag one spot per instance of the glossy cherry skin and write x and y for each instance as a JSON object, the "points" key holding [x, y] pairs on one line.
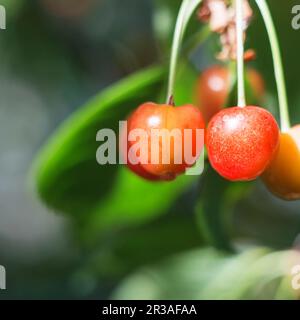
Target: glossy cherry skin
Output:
{"points": [[213, 86], [153, 116], [141, 172], [241, 142], [282, 177], [135, 168]]}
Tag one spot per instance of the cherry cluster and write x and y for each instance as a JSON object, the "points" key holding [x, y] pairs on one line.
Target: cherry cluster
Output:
{"points": [[242, 142]]}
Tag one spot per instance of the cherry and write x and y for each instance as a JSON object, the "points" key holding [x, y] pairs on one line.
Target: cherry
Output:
{"points": [[241, 142], [141, 172], [213, 86], [136, 168], [282, 177], [150, 116], [212, 90]]}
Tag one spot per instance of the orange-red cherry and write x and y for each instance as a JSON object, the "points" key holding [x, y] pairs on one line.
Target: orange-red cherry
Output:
{"points": [[151, 116], [282, 177], [137, 167], [213, 89], [241, 142]]}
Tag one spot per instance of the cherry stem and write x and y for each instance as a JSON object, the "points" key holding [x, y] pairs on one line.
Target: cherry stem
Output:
{"points": [[171, 101], [278, 65], [240, 52], [185, 13]]}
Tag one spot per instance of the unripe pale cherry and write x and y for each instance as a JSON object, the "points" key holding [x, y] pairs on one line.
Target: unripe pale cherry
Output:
{"points": [[150, 116], [213, 86], [241, 142], [282, 177]]}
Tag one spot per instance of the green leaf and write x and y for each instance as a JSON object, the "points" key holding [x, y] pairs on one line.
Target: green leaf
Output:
{"points": [[132, 201], [67, 175]]}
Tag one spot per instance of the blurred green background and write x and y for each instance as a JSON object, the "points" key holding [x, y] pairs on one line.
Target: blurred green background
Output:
{"points": [[73, 229]]}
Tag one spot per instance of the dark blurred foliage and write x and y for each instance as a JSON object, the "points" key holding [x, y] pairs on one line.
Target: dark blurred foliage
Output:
{"points": [[54, 56], [192, 238]]}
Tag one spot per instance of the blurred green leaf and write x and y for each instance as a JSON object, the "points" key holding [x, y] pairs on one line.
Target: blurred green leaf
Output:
{"points": [[67, 174], [211, 274], [132, 201], [184, 92]]}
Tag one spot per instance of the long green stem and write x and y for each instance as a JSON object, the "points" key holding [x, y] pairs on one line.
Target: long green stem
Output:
{"points": [[278, 66], [240, 52], [186, 10]]}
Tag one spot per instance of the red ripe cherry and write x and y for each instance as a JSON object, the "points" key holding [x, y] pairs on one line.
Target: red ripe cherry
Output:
{"points": [[241, 142], [135, 168], [125, 147], [282, 177], [150, 116], [141, 172], [213, 88]]}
